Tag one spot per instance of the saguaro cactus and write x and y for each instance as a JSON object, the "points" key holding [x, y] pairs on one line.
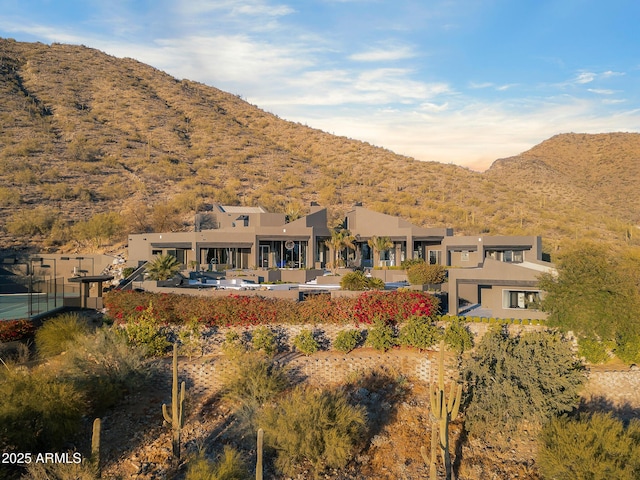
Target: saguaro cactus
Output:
{"points": [[259, 454], [176, 419], [443, 410], [95, 447]]}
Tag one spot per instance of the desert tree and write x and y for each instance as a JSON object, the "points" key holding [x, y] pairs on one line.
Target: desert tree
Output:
{"points": [[379, 245], [514, 379]]}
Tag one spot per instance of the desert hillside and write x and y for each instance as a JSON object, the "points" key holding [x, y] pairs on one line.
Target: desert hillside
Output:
{"points": [[84, 133]]}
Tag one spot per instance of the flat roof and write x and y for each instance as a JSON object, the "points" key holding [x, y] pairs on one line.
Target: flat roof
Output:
{"points": [[241, 209], [91, 279]]}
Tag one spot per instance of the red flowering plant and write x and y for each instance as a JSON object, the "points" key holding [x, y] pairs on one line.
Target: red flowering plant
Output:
{"points": [[392, 307], [12, 330], [322, 309], [121, 304], [238, 310]]}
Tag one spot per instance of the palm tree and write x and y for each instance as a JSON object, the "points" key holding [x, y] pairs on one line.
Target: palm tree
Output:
{"points": [[340, 238], [379, 245], [163, 267], [348, 243]]}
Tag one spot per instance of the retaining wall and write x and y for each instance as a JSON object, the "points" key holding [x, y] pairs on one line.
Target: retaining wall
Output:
{"points": [[204, 375]]}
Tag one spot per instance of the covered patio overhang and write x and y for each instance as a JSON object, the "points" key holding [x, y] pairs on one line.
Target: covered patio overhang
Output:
{"points": [[85, 283]]}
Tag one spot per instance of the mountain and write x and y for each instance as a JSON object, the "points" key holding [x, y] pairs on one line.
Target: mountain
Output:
{"points": [[84, 133]]}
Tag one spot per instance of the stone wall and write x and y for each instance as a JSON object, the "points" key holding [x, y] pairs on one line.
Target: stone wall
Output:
{"points": [[617, 388], [204, 375]]}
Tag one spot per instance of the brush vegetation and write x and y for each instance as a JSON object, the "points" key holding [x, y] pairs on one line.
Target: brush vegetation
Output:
{"points": [[516, 380], [57, 334], [590, 446], [318, 428], [116, 146]]}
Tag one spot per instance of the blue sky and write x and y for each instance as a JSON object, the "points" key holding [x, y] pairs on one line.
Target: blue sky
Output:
{"points": [[455, 81]]}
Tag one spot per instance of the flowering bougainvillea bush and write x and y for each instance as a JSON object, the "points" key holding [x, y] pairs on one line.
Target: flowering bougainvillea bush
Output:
{"points": [[11, 330], [234, 310], [393, 306]]}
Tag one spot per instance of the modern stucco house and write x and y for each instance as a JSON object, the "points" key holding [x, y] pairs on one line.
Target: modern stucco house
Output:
{"points": [[498, 272]]}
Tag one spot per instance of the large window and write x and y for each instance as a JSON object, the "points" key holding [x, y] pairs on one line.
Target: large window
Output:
{"points": [[228, 257], [180, 254], [525, 299], [509, 256], [283, 254], [434, 257]]}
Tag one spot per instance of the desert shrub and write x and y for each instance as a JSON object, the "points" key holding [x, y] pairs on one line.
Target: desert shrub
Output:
{"points": [[419, 332], [15, 353], [233, 345], [102, 227], [306, 343], [264, 339], [317, 427], [190, 336], [358, 281], [593, 351], [628, 347], [146, 331], [253, 379], [347, 340], [376, 283], [381, 335], [529, 378], [12, 330], [38, 412], [60, 471], [228, 467], [457, 336], [426, 274], [56, 334], [126, 271], [104, 366], [595, 446], [83, 150], [410, 262], [9, 196], [355, 281], [39, 220], [594, 293]]}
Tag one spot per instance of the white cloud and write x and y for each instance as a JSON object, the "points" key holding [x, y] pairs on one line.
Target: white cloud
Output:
{"points": [[484, 85], [588, 77], [231, 7], [433, 107], [48, 34], [383, 55], [585, 77], [609, 74], [273, 11], [476, 86], [601, 91], [614, 101], [469, 133]]}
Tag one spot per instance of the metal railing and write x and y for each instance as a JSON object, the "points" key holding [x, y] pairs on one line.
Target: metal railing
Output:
{"points": [[137, 274], [29, 296]]}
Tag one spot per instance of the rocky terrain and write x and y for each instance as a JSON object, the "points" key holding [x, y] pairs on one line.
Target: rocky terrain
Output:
{"points": [[84, 133]]}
